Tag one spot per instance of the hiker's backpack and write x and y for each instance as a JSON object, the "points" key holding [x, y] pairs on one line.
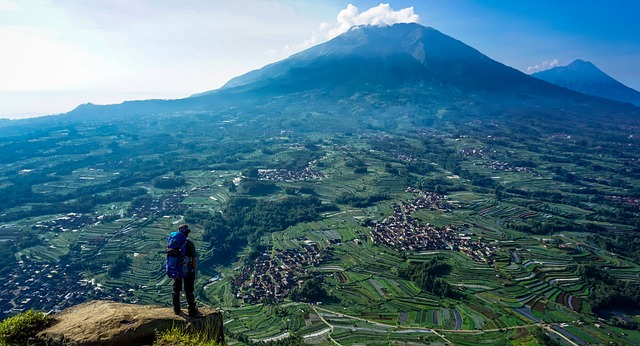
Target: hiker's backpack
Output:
{"points": [[177, 261]]}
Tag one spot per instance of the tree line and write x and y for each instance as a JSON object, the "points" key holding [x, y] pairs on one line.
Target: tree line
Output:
{"points": [[244, 220], [607, 292], [428, 276], [625, 244]]}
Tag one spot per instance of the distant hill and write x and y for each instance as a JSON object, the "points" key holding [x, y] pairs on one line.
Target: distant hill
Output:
{"points": [[583, 76]]}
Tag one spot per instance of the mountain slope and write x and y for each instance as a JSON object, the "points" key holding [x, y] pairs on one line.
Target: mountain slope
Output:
{"points": [[402, 55], [584, 77]]}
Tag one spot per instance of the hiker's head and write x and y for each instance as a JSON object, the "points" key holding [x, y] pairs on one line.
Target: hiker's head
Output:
{"points": [[184, 229]]}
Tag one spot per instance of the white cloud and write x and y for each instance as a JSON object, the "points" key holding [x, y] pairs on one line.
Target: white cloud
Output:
{"points": [[8, 6], [381, 15], [542, 66]]}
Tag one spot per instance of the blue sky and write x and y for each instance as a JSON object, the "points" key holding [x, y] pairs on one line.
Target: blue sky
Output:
{"points": [[58, 54]]}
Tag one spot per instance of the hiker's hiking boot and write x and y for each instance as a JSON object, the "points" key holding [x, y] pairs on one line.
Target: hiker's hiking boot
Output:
{"points": [[194, 313], [177, 311]]}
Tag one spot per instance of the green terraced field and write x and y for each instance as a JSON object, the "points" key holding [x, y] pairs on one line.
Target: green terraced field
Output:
{"points": [[369, 300]]}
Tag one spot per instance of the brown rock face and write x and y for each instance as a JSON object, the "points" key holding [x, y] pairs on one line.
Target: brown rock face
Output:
{"points": [[109, 323]]}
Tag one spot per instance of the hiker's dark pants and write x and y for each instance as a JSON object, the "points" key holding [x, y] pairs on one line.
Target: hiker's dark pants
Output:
{"points": [[189, 282]]}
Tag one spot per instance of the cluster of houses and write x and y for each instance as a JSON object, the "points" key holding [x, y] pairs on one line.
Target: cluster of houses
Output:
{"points": [[406, 158], [270, 278], [484, 153], [291, 176], [402, 232], [507, 167], [69, 222], [481, 153], [560, 135], [164, 205], [427, 200], [48, 287]]}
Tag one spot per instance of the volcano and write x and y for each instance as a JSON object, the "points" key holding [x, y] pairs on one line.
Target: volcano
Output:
{"points": [[584, 77], [398, 57]]}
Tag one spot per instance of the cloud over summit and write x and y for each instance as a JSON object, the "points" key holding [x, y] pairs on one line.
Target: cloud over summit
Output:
{"points": [[381, 15]]}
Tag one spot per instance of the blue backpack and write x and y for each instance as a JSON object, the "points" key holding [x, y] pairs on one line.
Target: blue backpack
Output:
{"points": [[177, 261]]}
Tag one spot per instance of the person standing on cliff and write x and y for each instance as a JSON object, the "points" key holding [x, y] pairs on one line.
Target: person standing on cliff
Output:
{"points": [[189, 279]]}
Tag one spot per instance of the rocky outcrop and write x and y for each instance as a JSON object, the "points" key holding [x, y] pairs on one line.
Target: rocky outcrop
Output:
{"points": [[110, 323]]}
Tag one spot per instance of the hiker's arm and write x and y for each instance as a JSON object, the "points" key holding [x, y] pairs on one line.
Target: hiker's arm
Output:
{"points": [[193, 263]]}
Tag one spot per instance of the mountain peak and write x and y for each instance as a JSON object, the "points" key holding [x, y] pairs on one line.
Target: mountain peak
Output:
{"points": [[580, 62], [587, 69], [585, 77], [404, 55]]}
